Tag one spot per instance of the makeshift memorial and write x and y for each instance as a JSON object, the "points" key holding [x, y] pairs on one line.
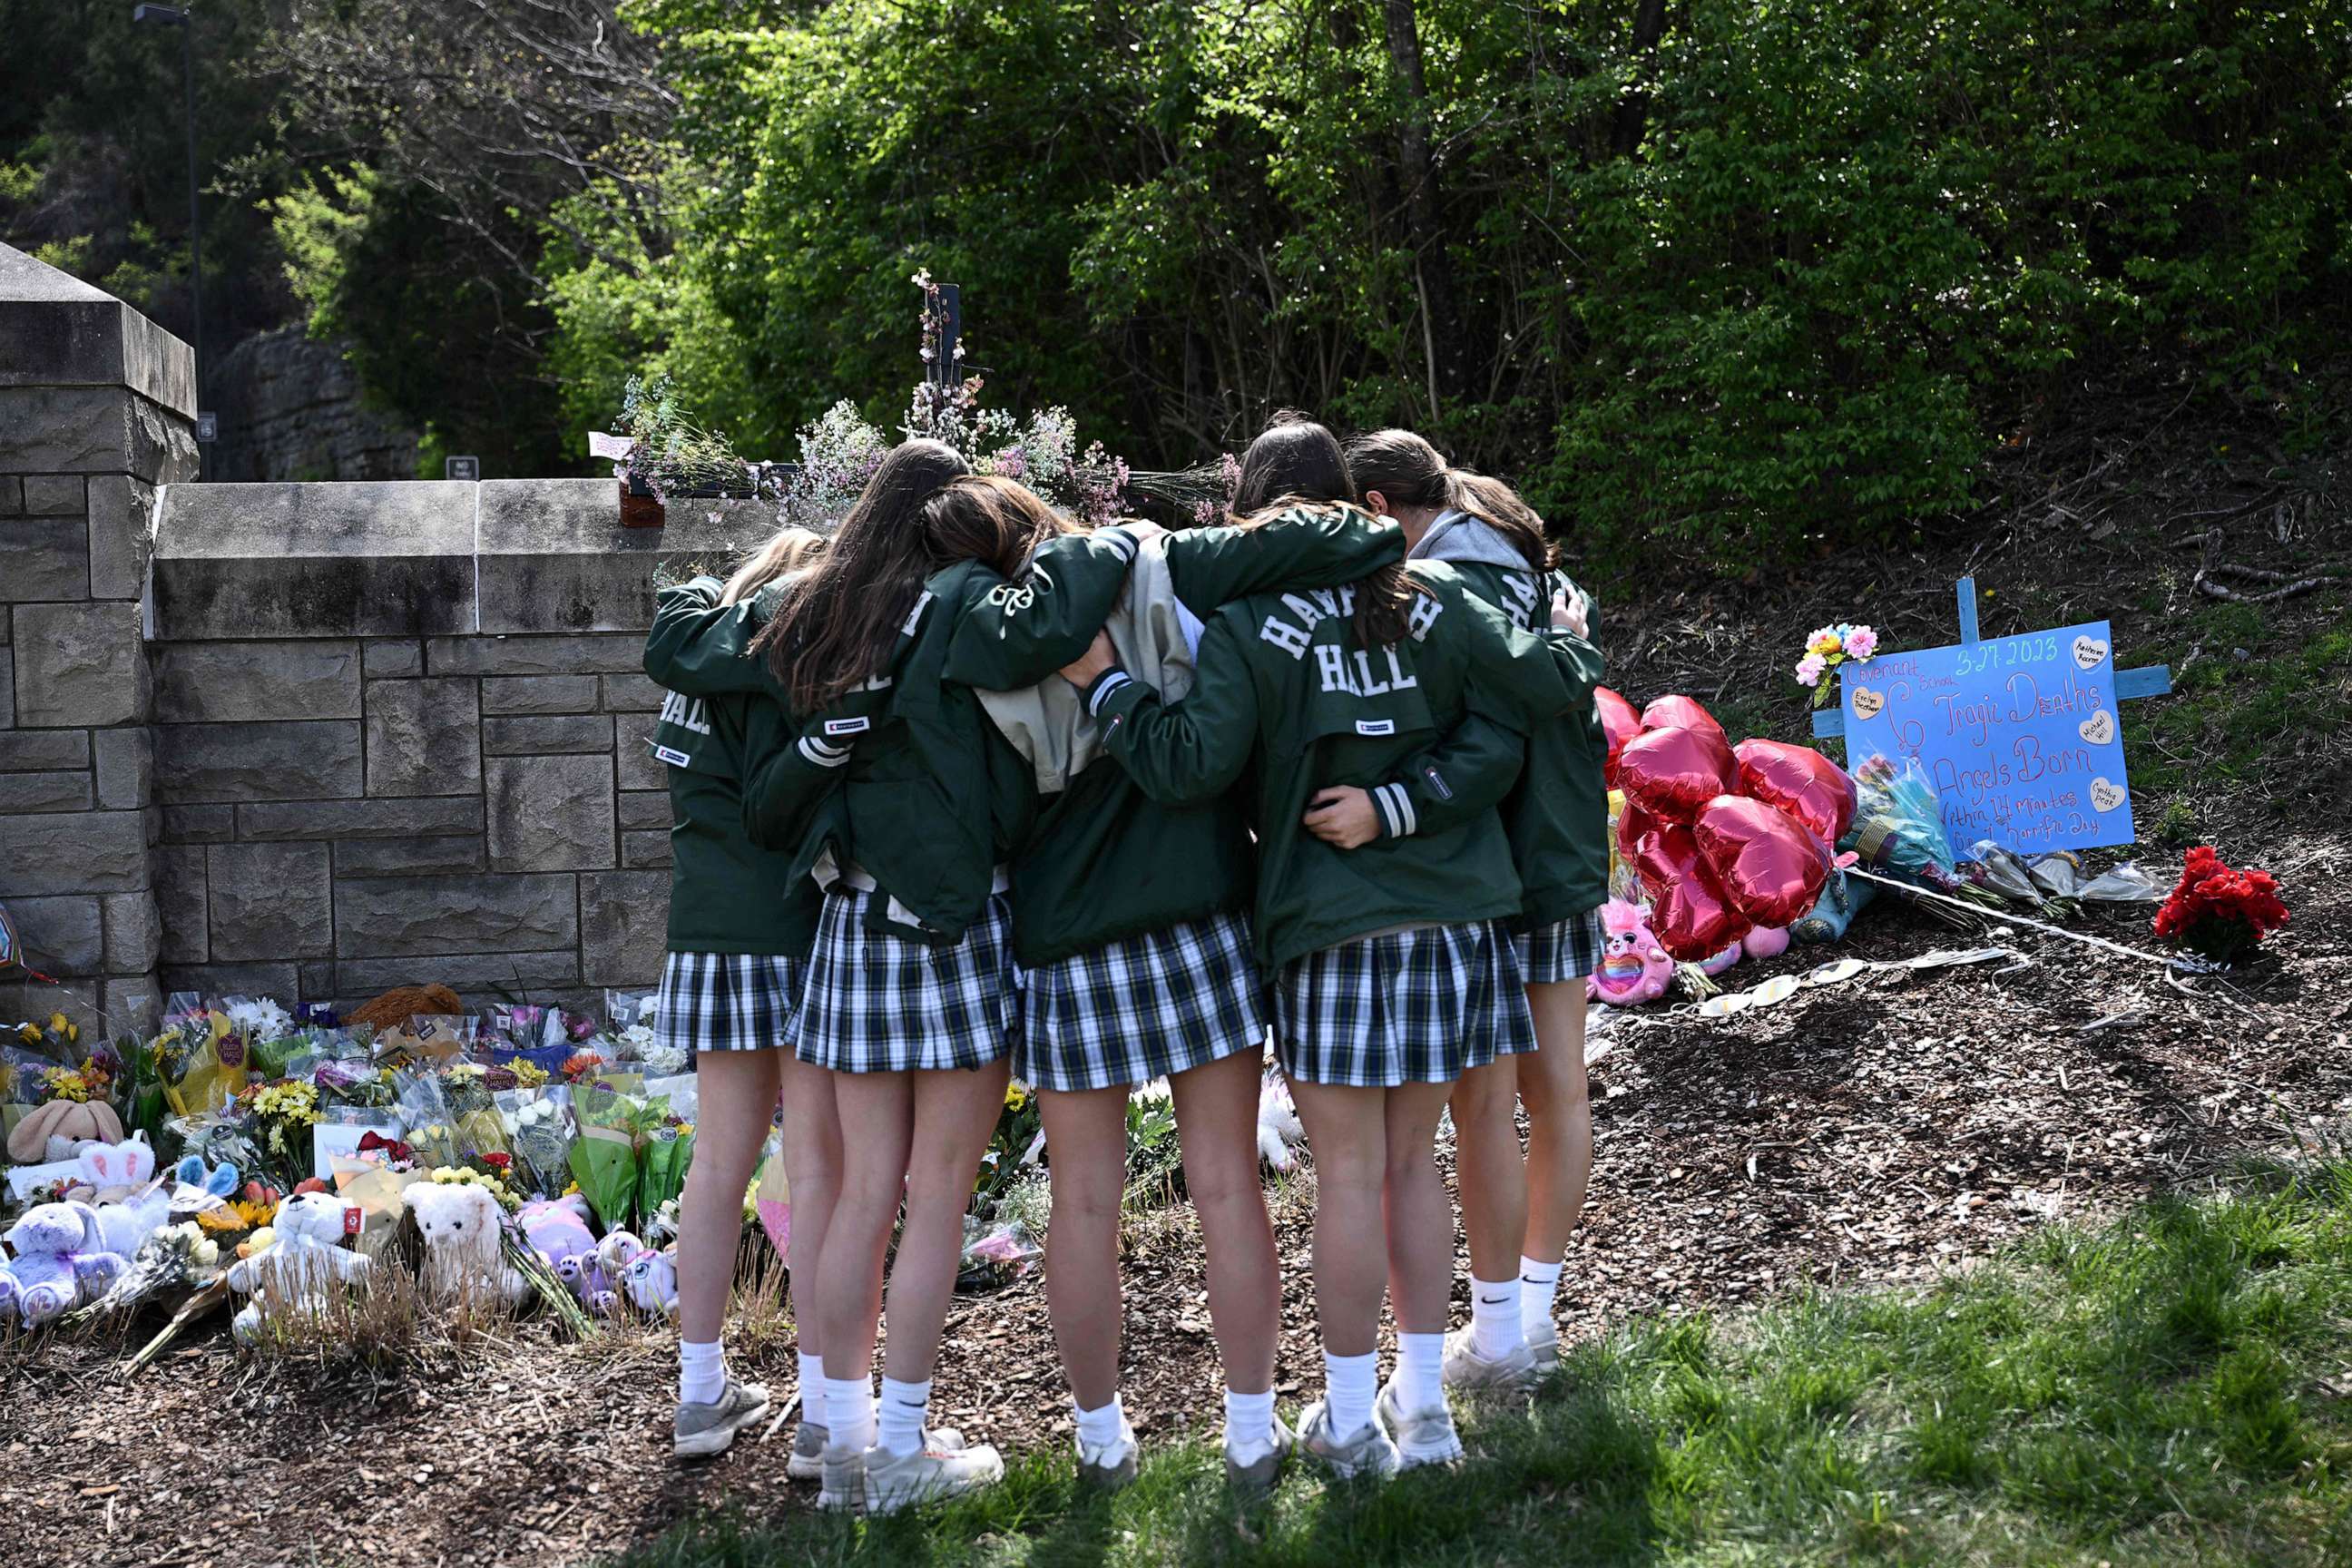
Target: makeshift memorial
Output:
{"points": [[1635, 968], [1800, 782], [61, 1260], [461, 1223], [2219, 913], [1828, 648], [305, 1260]]}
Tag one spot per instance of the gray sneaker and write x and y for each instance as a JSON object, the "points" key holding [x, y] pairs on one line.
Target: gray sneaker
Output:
{"points": [[1366, 1451], [1466, 1370], [807, 1463], [894, 1481], [1111, 1466], [701, 1431], [841, 1484], [1543, 1350], [1256, 1477], [1422, 1436]]}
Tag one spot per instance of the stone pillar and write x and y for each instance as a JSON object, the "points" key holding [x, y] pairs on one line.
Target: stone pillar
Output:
{"points": [[97, 407]]}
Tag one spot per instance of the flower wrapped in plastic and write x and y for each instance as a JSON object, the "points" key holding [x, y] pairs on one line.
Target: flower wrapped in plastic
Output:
{"points": [[473, 1112], [537, 1122], [603, 1160], [2218, 913], [1898, 828], [427, 1125]]}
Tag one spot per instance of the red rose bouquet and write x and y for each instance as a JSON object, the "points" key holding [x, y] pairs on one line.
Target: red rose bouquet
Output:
{"points": [[2219, 912]]}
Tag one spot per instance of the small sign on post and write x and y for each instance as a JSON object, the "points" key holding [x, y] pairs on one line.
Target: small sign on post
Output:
{"points": [[467, 468], [207, 427]]}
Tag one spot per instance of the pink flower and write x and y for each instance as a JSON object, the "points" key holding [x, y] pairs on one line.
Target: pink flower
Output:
{"points": [[1861, 643], [1809, 669]]}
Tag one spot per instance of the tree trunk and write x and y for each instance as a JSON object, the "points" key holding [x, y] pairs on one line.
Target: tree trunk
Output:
{"points": [[1634, 114], [1447, 368]]}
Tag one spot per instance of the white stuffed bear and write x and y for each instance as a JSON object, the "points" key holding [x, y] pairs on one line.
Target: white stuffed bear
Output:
{"points": [[131, 1205], [305, 1257], [1278, 1126], [463, 1228]]}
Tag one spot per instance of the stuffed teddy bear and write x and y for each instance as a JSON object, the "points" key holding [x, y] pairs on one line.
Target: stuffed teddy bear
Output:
{"points": [[131, 1203], [557, 1229], [650, 1277], [1278, 1126], [61, 1261], [464, 1230], [1635, 968], [52, 1132], [306, 1255]]}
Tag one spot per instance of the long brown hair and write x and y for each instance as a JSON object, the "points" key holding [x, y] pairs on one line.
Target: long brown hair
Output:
{"points": [[790, 551], [839, 628], [1407, 470], [1296, 461], [997, 521]]}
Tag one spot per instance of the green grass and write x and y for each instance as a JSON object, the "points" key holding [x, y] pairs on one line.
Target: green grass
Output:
{"points": [[2276, 717], [2162, 1391]]}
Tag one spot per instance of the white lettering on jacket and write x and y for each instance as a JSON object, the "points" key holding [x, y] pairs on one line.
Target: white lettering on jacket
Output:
{"points": [[686, 712], [1311, 609], [1521, 606], [1353, 672]]}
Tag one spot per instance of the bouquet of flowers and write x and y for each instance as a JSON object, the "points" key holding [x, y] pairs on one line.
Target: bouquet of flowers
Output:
{"points": [[538, 1124], [1830, 646], [2220, 913]]}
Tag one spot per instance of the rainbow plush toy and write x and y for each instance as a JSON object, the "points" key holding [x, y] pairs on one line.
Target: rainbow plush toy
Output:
{"points": [[1633, 968]]}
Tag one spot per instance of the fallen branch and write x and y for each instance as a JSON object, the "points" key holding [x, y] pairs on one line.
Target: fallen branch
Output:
{"points": [[194, 1307], [2203, 582]]}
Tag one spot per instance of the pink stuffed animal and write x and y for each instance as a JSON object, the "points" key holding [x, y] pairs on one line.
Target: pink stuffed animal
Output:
{"points": [[1764, 942], [1633, 968]]}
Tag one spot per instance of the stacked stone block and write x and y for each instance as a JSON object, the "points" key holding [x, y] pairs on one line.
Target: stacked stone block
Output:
{"points": [[96, 407]]}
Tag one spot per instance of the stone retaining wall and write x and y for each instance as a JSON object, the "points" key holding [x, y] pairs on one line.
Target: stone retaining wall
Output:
{"points": [[330, 738]]}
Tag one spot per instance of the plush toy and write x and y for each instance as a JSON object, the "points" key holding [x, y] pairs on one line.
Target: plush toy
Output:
{"points": [[1278, 1127], [650, 1277], [464, 1231], [1633, 968], [61, 1261], [305, 1257], [1716, 963], [1764, 942], [131, 1203], [557, 1229], [55, 1131]]}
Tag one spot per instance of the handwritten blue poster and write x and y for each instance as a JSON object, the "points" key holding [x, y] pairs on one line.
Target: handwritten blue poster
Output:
{"points": [[2017, 736]]}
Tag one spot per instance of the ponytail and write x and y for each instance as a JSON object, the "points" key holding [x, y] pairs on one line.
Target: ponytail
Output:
{"points": [[1407, 470]]}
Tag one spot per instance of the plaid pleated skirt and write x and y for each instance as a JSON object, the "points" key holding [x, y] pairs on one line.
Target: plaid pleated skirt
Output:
{"points": [[1564, 949], [1423, 1005], [728, 1002], [1132, 1010], [878, 1002]]}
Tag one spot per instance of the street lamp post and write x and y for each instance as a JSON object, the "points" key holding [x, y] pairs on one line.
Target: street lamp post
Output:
{"points": [[178, 17]]}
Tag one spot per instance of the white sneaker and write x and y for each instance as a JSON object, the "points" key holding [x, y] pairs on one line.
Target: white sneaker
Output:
{"points": [[1256, 1475], [931, 1472], [1112, 1466], [1467, 1370], [1366, 1451], [1543, 1349], [807, 1463], [703, 1430], [1422, 1436], [842, 1485]]}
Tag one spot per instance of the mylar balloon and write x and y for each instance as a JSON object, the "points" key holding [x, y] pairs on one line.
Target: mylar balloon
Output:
{"points": [[1674, 773], [1619, 723], [1689, 914], [1800, 782], [1771, 869], [1632, 821], [1681, 713]]}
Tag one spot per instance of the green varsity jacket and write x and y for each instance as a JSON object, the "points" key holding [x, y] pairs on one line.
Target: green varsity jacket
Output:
{"points": [[1106, 861], [1282, 684]]}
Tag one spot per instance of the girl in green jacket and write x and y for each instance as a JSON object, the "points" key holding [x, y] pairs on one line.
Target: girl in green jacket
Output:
{"points": [[1392, 980], [1557, 818], [740, 933]]}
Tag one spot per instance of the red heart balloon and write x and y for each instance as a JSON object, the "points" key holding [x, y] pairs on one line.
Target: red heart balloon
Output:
{"points": [[1681, 713], [1800, 782], [1771, 869], [1632, 821], [1619, 723], [1674, 773], [1690, 915]]}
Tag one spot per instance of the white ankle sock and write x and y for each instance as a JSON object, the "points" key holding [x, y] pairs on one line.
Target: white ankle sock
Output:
{"points": [[1538, 1282], [1420, 1372], [1350, 1383], [904, 1407], [701, 1371], [1495, 1330], [812, 1390], [849, 1412], [1100, 1428], [1249, 1425]]}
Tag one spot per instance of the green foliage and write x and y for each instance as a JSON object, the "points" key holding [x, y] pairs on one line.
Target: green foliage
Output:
{"points": [[1788, 277]]}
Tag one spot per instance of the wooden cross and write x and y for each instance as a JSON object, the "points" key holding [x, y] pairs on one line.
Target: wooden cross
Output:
{"points": [[2149, 680]]}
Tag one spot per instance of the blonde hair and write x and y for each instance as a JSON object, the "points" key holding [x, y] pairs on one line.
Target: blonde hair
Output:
{"points": [[790, 551]]}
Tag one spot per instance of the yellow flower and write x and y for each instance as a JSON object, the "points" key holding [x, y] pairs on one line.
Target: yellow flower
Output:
{"points": [[56, 1023], [1824, 642], [529, 1074], [29, 1033], [1015, 1097]]}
